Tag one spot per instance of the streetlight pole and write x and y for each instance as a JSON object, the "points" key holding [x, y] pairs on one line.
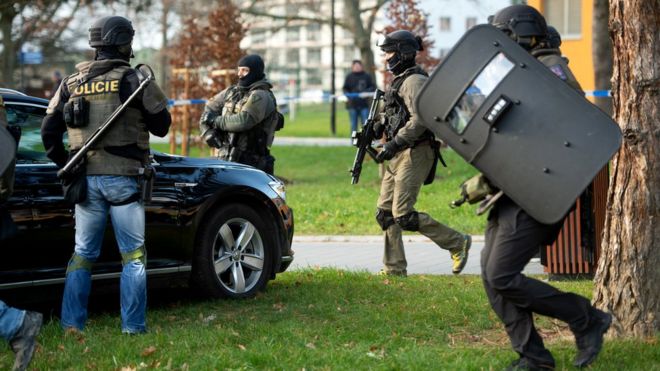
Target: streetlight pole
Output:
{"points": [[333, 108]]}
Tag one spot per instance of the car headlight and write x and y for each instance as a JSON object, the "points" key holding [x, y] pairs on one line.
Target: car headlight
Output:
{"points": [[279, 188]]}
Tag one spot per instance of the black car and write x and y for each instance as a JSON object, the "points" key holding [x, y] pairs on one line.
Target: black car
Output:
{"points": [[224, 225]]}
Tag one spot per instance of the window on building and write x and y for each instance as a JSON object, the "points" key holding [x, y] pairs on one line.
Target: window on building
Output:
{"points": [[470, 22], [445, 24], [565, 16], [314, 55], [313, 76], [293, 33], [293, 57], [258, 36], [313, 32]]}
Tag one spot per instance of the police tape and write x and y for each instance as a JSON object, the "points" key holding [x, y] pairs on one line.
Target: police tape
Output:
{"points": [[598, 93], [325, 98]]}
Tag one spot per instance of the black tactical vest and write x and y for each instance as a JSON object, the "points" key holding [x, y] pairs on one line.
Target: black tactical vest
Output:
{"points": [[396, 112]]}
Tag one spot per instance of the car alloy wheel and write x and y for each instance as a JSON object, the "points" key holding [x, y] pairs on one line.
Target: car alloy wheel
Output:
{"points": [[234, 252], [238, 255]]}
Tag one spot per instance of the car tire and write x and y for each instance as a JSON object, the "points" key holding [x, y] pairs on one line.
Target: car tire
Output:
{"points": [[233, 257]]}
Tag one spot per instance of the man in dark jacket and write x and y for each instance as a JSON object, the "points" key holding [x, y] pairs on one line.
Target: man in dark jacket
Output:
{"points": [[357, 82]]}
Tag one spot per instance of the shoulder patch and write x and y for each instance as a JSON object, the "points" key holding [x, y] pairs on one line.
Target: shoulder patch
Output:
{"points": [[559, 71], [255, 98]]}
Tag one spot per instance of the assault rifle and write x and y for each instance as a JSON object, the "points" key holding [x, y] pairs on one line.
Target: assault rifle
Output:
{"points": [[71, 165], [362, 139]]}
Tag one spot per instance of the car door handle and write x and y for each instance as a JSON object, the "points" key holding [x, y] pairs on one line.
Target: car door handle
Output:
{"points": [[184, 185]]}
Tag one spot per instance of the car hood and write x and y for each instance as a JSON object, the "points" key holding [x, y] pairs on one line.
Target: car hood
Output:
{"points": [[198, 162]]}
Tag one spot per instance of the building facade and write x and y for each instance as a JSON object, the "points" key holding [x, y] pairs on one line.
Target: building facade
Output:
{"points": [[449, 19], [298, 53]]}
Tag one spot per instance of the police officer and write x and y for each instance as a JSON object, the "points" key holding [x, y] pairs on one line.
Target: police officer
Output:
{"points": [[82, 103], [241, 120], [513, 238], [19, 327], [412, 154]]}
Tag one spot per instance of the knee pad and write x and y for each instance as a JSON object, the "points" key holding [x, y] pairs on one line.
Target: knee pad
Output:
{"points": [[78, 262], [384, 218], [409, 222], [139, 254]]}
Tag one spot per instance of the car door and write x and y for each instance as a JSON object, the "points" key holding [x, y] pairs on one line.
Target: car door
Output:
{"points": [[44, 238]]}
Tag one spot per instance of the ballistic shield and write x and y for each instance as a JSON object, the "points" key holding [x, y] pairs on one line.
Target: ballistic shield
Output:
{"points": [[511, 117]]}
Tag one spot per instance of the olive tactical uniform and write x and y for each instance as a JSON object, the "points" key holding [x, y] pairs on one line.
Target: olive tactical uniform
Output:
{"points": [[413, 153], [245, 121], [513, 237]]}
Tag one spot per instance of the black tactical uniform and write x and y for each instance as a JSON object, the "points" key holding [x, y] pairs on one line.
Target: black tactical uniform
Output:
{"points": [[513, 238], [241, 120]]}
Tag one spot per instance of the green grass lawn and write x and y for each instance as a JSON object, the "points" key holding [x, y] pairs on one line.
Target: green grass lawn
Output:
{"points": [[313, 120], [324, 201], [325, 320]]}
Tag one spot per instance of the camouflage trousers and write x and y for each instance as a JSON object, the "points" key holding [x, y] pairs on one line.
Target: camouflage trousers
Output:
{"points": [[404, 177]]}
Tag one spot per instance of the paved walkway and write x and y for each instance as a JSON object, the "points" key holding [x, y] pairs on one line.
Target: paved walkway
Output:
{"points": [[366, 253]]}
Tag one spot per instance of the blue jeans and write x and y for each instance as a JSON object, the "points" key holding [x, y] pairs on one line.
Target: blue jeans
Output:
{"points": [[11, 320], [353, 114], [106, 193]]}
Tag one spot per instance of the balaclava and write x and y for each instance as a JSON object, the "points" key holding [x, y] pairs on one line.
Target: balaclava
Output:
{"points": [[256, 66]]}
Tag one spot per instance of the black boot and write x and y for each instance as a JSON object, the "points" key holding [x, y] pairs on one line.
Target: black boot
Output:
{"points": [[590, 341], [24, 341], [526, 364]]}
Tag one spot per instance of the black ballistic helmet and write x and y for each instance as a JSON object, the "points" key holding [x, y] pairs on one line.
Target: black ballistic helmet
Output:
{"points": [[554, 39], [402, 41], [405, 46], [522, 23], [111, 31]]}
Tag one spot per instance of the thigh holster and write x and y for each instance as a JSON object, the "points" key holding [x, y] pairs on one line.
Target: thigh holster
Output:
{"points": [[384, 218], [409, 222], [78, 262], [139, 254]]}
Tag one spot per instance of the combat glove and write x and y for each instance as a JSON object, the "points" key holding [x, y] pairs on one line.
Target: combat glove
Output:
{"points": [[211, 138], [390, 149], [208, 118]]}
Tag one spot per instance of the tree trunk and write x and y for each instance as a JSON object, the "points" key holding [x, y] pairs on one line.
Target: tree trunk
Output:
{"points": [[7, 16], [361, 35], [602, 53], [628, 278], [164, 63]]}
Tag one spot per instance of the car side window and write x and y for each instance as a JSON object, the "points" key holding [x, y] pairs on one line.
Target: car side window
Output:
{"points": [[28, 117]]}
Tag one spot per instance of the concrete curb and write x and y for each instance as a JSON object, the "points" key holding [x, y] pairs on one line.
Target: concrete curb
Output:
{"points": [[368, 239]]}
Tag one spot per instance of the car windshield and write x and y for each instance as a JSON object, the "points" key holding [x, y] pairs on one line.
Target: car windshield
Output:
{"points": [[478, 91]]}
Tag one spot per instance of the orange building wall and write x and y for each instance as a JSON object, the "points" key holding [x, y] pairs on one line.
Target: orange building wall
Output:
{"points": [[578, 51]]}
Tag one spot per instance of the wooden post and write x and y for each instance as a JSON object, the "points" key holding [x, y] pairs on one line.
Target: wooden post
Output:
{"points": [[174, 120], [185, 130]]}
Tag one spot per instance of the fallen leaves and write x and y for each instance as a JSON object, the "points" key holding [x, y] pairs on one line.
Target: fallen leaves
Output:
{"points": [[148, 351]]}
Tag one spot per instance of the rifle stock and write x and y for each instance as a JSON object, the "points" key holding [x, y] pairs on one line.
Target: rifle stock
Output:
{"points": [[98, 134], [362, 140]]}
